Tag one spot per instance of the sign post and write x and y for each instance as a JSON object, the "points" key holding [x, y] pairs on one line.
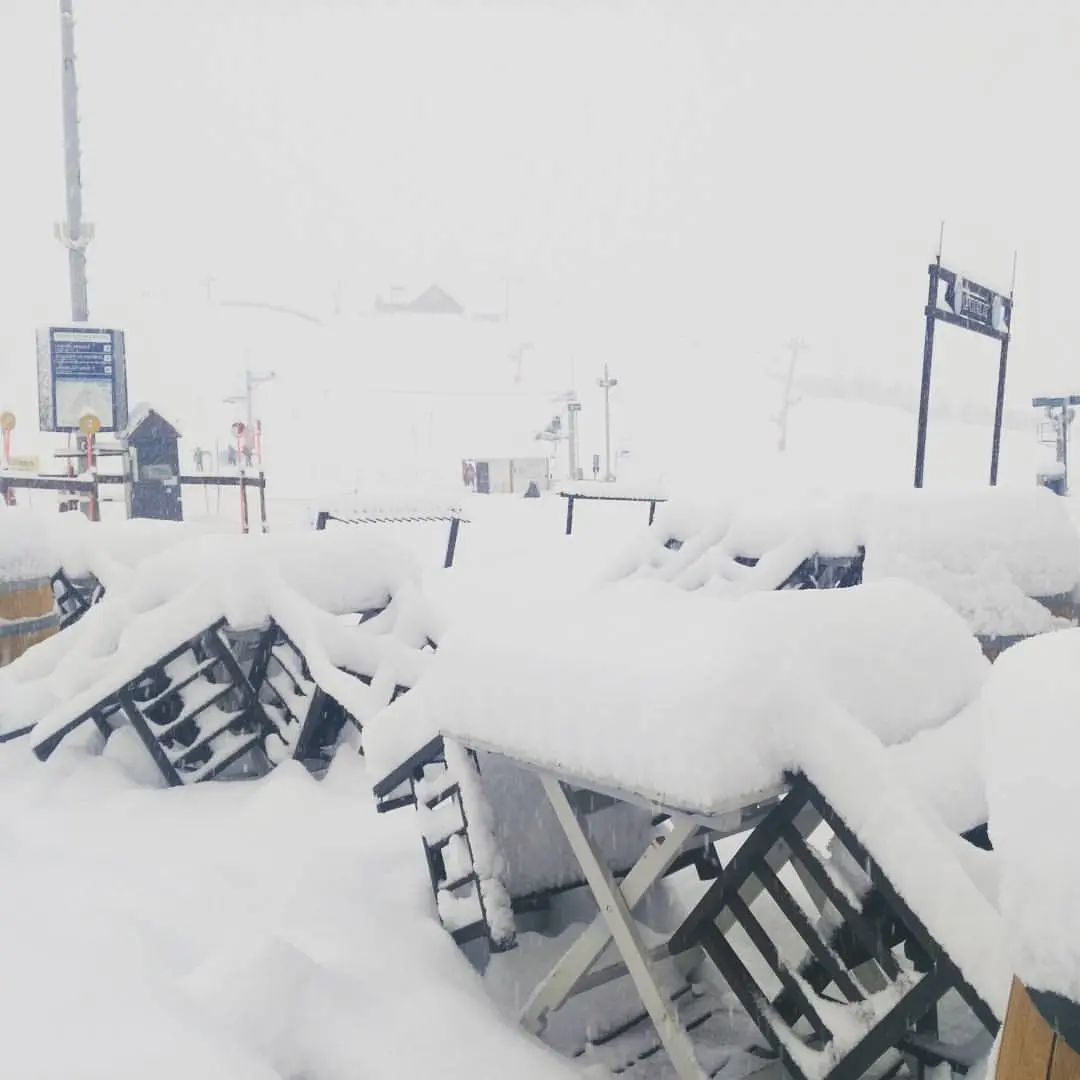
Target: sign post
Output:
{"points": [[7, 425], [962, 302], [89, 426]]}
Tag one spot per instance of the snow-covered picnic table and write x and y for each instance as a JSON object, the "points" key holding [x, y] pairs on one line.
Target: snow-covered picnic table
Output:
{"points": [[699, 707]]}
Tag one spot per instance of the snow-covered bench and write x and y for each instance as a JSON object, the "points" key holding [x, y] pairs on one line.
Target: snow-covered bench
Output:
{"points": [[1008, 562], [229, 656], [770, 713]]}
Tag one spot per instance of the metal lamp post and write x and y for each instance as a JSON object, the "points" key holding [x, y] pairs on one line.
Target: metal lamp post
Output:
{"points": [[606, 384]]}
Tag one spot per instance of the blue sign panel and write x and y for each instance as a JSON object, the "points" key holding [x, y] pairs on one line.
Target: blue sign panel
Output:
{"points": [[81, 372]]}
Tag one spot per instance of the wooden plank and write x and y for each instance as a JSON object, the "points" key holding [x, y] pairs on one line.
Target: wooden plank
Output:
{"points": [[1065, 1064], [28, 602], [1027, 1043]]}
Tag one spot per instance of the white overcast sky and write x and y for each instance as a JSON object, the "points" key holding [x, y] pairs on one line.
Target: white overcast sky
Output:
{"points": [[731, 172]]}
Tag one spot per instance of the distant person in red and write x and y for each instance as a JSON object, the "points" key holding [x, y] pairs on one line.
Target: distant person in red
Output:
{"points": [[468, 473]]}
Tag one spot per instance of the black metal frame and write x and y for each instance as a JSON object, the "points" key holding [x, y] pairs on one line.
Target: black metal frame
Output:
{"points": [[935, 314], [869, 931], [455, 520], [572, 496], [151, 702], [818, 571], [311, 735], [75, 598], [398, 789]]}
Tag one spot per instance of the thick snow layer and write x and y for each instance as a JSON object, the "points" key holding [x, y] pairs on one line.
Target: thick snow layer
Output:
{"points": [[987, 553], [1033, 740], [27, 552], [945, 764], [684, 697], [1029, 531], [248, 931]]}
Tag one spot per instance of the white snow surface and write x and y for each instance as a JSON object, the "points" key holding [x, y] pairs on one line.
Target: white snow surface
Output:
{"points": [[685, 697], [247, 931], [26, 549], [1033, 738], [988, 554]]}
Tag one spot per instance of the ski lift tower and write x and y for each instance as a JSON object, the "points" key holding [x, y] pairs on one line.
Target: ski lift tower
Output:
{"points": [[1054, 431]]}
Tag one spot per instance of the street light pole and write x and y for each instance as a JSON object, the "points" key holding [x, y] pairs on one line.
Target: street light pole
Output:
{"points": [[73, 234], [605, 384]]}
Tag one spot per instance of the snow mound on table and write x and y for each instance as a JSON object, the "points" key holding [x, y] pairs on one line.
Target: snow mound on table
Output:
{"points": [[1033, 742], [945, 764], [699, 704], [988, 554], [684, 697]]}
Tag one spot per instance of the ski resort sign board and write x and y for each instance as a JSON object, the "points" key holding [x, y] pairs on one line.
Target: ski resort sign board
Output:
{"points": [[81, 372], [962, 302]]}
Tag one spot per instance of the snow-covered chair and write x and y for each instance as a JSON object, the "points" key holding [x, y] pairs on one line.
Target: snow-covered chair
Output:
{"points": [[255, 654], [1008, 562], [491, 841], [766, 718], [192, 707]]}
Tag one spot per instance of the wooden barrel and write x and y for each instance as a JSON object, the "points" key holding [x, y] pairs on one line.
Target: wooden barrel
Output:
{"points": [[27, 615], [1033, 1047]]}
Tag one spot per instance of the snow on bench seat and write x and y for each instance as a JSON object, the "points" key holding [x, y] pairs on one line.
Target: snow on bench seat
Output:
{"points": [[990, 554]]}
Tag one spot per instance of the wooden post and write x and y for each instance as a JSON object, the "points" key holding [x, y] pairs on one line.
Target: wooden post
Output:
{"points": [[262, 503], [1030, 1048], [243, 503], [569, 514]]}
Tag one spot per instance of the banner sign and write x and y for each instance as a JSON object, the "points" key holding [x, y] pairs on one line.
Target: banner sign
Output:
{"points": [[966, 303], [81, 372]]}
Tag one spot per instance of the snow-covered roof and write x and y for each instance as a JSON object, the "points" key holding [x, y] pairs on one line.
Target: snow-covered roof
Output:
{"points": [[138, 416]]}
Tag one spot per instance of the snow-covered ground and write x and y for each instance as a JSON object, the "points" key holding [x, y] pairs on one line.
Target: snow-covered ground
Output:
{"points": [[264, 931], [281, 928]]}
